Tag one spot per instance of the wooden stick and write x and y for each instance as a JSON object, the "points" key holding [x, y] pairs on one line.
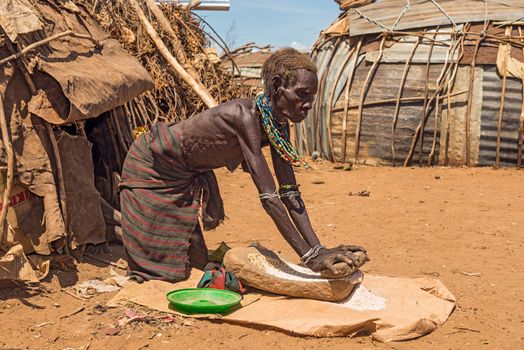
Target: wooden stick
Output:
{"points": [[102, 260], [451, 52], [437, 92], [120, 137], [317, 125], [80, 309], [351, 74], [111, 134], [143, 111], [521, 125], [394, 100], [175, 42], [155, 107], [502, 100], [425, 104], [74, 295], [197, 87], [37, 44], [127, 124], [398, 100], [123, 124], [61, 181], [435, 126], [338, 75], [448, 123], [470, 97], [363, 97], [449, 86], [451, 83], [131, 115], [10, 168]]}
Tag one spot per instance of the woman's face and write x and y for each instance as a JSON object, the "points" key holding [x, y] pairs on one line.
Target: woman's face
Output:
{"points": [[293, 101]]}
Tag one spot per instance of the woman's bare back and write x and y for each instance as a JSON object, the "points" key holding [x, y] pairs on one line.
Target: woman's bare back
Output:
{"points": [[212, 138]]}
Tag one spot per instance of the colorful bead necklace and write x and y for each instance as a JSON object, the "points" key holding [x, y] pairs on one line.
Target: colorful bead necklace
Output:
{"points": [[276, 133]]}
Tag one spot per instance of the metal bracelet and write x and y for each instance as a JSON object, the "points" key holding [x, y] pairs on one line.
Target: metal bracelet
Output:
{"points": [[269, 195], [289, 194], [311, 254]]}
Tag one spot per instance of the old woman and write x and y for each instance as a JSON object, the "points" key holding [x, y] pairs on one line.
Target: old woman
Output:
{"points": [[168, 176]]}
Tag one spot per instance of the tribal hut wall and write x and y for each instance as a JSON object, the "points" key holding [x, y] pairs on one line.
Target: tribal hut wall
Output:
{"points": [[334, 119]]}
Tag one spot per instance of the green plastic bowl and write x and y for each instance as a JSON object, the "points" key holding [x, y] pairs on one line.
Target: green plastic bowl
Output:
{"points": [[203, 300]]}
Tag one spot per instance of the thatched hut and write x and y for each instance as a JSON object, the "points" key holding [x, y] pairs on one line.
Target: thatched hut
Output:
{"points": [[420, 82], [245, 64], [58, 71], [72, 98]]}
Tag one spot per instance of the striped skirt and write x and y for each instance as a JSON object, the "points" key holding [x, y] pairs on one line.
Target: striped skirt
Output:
{"points": [[160, 201]]}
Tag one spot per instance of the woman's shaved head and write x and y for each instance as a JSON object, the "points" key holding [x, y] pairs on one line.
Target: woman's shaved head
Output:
{"points": [[285, 63]]}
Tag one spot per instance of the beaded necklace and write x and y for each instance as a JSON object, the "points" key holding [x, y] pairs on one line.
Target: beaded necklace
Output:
{"points": [[276, 133]]}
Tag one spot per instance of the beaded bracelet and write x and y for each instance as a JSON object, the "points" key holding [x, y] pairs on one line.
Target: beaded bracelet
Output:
{"points": [[288, 187]]}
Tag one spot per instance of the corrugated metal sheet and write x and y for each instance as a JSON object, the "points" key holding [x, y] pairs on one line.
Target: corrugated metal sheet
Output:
{"points": [[424, 13], [492, 88], [399, 51], [376, 135]]}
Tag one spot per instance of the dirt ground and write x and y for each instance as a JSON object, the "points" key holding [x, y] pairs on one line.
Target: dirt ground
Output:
{"points": [[464, 226]]}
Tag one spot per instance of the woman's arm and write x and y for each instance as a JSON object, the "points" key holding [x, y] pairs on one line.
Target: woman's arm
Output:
{"points": [[248, 133], [290, 196]]}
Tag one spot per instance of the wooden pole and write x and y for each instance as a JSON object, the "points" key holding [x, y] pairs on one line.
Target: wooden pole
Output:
{"points": [[197, 87], [435, 126], [502, 100], [448, 123], [317, 125], [363, 97], [470, 98], [10, 168], [425, 105], [437, 92], [175, 42], [45, 41], [399, 98], [521, 124], [346, 107], [332, 96], [394, 100]]}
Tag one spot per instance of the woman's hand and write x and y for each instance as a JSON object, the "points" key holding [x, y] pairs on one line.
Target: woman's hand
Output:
{"points": [[339, 262]]}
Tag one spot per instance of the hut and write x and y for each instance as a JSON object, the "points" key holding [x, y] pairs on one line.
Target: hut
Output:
{"points": [[58, 73], [78, 81], [245, 64], [420, 82]]}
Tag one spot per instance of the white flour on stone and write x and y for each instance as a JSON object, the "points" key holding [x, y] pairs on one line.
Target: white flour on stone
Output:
{"points": [[362, 299], [291, 272]]}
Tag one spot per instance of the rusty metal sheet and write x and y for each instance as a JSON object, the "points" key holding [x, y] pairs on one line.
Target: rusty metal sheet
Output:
{"points": [[399, 51], [381, 16], [376, 134], [492, 88]]}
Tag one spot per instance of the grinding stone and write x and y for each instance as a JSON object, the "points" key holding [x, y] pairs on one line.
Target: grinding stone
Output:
{"points": [[263, 269]]}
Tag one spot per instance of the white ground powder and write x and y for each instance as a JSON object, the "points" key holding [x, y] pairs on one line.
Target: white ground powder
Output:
{"points": [[287, 271], [362, 299]]}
